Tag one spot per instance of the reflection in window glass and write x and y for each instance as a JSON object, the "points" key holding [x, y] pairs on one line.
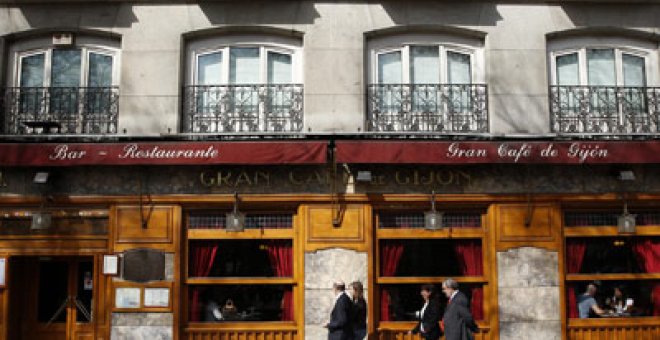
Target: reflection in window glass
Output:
{"points": [[209, 69], [568, 72], [244, 65], [600, 65], [424, 65], [279, 68], [458, 68], [633, 71], [100, 70], [32, 71], [66, 68], [389, 68]]}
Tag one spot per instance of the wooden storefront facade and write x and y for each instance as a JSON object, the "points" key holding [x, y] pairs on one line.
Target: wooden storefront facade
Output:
{"points": [[305, 209]]}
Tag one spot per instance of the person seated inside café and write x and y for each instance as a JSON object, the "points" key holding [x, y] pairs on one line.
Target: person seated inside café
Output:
{"points": [[619, 303], [587, 304]]}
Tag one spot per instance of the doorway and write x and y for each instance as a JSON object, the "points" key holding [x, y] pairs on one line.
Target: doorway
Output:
{"points": [[52, 298]]}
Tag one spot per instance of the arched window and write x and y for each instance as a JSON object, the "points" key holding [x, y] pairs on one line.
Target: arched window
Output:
{"points": [[603, 85], [427, 82], [64, 83], [244, 83]]}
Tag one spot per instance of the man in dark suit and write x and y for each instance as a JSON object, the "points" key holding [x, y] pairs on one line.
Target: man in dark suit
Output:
{"points": [[457, 322], [340, 326]]}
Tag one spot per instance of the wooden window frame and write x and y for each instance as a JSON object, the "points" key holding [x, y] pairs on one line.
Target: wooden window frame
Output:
{"points": [[603, 232], [248, 234], [448, 233]]}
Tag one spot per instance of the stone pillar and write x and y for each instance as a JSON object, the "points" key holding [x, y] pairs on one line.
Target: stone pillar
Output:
{"points": [[322, 268], [528, 294], [129, 326]]}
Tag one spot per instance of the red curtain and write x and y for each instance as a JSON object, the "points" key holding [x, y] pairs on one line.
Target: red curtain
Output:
{"points": [[648, 257], [280, 253], [470, 262], [390, 256], [202, 256], [574, 256]]}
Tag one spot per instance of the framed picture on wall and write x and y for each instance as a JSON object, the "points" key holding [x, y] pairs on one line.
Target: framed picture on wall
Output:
{"points": [[156, 297], [111, 264], [3, 272], [127, 297]]}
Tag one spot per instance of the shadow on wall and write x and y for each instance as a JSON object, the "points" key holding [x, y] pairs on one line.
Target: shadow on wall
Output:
{"points": [[89, 15], [444, 13], [277, 12], [640, 15]]}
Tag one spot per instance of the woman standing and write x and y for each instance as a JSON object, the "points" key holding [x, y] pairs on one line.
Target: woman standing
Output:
{"points": [[429, 315], [359, 311]]}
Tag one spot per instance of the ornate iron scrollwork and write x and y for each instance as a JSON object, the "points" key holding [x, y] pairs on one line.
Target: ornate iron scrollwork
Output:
{"points": [[437, 108]]}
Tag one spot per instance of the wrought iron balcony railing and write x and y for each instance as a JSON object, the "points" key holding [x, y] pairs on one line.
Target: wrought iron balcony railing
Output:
{"points": [[243, 108], [605, 110], [437, 108], [65, 110]]}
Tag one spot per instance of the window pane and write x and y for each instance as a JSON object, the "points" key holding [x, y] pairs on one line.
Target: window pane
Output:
{"points": [[241, 258], [612, 255], [600, 64], [66, 68], [458, 68], [389, 68], [401, 258], [32, 71], [633, 71], [32, 75], [244, 66], [241, 303], [100, 70], [634, 298], [402, 302], [209, 69], [279, 68], [424, 65], [568, 71]]}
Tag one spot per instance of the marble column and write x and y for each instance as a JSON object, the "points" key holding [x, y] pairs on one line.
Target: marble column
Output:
{"points": [[528, 294], [137, 326], [322, 268]]}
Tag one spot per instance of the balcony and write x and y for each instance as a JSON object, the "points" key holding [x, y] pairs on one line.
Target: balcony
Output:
{"points": [[435, 108], [605, 110], [243, 108], [60, 110]]}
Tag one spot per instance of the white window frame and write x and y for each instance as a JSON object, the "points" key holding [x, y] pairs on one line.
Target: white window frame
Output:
{"points": [[84, 63], [290, 46], [442, 61], [446, 43], [621, 46]]}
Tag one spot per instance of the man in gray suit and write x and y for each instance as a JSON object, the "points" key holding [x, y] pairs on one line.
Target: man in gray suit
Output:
{"points": [[340, 326], [457, 322]]}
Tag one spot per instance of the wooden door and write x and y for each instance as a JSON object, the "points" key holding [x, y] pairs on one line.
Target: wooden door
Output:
{"points": [[53, 298]]}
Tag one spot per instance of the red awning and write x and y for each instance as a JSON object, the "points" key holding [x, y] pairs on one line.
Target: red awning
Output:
{"points": [[163, 153], [574, 152]]}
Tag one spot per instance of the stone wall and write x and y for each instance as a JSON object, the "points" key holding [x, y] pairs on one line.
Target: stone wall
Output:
{"points": [[322, 268], [528, 294], [134, 326]]}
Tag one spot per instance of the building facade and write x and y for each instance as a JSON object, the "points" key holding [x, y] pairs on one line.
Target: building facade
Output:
{"points": [[206, 170]]}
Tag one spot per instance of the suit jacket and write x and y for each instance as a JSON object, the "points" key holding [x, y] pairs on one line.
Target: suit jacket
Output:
{"points": [[429, 320], [459, 324], [340, 326]]}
